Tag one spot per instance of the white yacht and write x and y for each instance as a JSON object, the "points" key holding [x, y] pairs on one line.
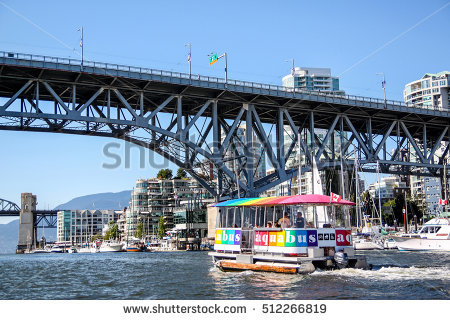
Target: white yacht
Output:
{"points": [[57, 249], [72, 249], [85, 248], [434, 235], [95, 247], [40, 250], [111, 246]]}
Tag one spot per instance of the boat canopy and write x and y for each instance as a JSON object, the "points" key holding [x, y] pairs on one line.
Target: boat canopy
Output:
{"points": [[307, 199]]}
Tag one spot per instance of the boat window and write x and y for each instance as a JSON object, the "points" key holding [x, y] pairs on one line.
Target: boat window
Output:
{"points": [[229, 217], [424, 230]]}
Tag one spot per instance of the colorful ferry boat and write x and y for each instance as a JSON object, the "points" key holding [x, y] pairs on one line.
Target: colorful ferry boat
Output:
{"points": [[289, 234]]}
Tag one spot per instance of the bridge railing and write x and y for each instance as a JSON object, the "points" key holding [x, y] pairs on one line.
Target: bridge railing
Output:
{"points": [[197, 77]]}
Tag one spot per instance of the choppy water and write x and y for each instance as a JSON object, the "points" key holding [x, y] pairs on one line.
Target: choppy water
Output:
{"points": [[191, 275]]}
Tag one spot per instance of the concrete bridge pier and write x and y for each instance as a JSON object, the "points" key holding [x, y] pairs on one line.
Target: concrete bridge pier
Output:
{"points": [[27, 238]]}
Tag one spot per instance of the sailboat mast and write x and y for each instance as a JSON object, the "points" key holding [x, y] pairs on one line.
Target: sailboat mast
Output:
{"points": [[379, 193], [357, 192], [445, 183], [299, 175], [343, 188]]}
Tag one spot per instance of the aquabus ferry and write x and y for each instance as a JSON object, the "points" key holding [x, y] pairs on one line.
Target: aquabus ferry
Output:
{"points": [[289, 234]]}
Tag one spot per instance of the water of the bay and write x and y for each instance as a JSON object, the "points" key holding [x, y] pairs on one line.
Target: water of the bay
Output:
{"points": [[191, 275]]}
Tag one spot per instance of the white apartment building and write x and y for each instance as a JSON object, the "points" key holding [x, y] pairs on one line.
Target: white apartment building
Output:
{"points": [[312, 79], [431, 91], [427, 191], [79, 226], [385, 188]]}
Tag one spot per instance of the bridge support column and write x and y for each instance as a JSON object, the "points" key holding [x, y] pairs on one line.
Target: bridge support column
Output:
{"points": [[26, 237]]}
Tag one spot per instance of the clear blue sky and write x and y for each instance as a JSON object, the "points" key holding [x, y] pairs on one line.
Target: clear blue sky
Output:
{"points": [[394, 37]]}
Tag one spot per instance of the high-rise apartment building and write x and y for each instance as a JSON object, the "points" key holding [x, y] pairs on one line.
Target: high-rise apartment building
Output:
{"points": [[431, 91], [313, 79]]}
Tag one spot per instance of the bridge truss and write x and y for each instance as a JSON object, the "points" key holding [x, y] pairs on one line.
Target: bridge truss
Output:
{"points": [[6, 205], [197, 123]]}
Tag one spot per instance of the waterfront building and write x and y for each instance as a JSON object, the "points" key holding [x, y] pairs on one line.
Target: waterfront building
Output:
{"points": [[155, 198], [191, 224], [426, 191], [79, 226], [431, 91], [313, 79], [386, 189]]}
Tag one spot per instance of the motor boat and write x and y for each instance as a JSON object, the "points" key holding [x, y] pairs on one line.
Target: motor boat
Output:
{"points": [[57, 249], [111, 246], [40, 250], [389, 243], [367, 243], [434, 235], [72, 249], [95, 247]]}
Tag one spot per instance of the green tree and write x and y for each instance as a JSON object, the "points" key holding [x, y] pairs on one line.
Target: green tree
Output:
{"points": [[396, 209], [161, 227], [139, 230], [113, 231], [164, 174], [97, 237], [181, 174]]}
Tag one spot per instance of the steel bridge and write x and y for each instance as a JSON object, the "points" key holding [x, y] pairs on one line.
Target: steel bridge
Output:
{"points": [[193, 121], [41, 218]]}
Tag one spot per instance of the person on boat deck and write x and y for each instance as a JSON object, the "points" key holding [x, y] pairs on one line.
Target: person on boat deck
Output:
{"points": [[269, 224], [300, 222], [284, 222]]}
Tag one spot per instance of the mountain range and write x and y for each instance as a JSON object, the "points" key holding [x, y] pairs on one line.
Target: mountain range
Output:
{"points": [[100, 201]]}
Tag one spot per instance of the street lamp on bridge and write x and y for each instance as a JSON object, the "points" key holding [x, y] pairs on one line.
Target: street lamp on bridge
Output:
{"points": [[81, 45], [213, 58], [383, 84], [293, 66]]}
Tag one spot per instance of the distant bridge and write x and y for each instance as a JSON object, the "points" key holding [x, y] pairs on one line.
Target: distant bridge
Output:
{"points": [[7, 206], [42, 218], [49, 94]]}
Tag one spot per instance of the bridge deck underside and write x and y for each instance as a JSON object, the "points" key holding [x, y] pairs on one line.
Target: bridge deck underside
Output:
{"points": [[230, 102]]}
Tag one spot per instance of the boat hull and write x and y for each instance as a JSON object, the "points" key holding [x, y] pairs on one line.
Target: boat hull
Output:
{"points": [[116, 247], [40, 251], [367, 245], [421, 244]]}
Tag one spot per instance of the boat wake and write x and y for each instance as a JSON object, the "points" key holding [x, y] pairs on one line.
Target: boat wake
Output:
{"points": [[390, 272]]}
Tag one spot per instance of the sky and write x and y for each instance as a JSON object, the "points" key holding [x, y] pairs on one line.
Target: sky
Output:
{"points": [[356, 39]]}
